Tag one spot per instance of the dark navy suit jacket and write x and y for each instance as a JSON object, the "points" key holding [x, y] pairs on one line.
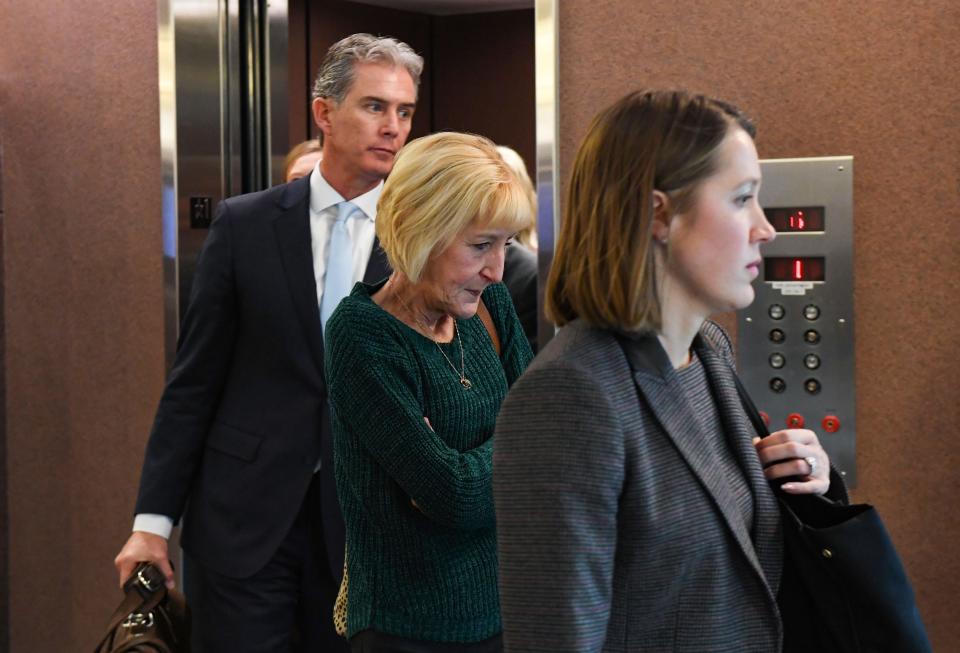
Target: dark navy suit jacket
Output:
{"points": [[243, 418]]}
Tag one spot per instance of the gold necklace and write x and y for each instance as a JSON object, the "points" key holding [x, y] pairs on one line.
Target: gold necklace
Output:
{"points": [[464, 381]]}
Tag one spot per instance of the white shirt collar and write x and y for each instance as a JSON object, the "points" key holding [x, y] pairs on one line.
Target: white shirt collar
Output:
{"points": [[323, 196]]}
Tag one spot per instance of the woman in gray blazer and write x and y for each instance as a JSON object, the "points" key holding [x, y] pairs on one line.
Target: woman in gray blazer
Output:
{"points": [[634, 511]]}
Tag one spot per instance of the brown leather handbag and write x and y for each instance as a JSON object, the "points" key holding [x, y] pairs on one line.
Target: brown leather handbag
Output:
{"points": [[151, 618]]}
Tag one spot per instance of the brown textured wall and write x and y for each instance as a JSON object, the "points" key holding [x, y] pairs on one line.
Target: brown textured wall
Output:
{"points": [[880, 81], [83, 293]]}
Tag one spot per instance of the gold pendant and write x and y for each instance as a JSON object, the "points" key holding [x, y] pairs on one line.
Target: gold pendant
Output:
{"points": [[465, 382]]}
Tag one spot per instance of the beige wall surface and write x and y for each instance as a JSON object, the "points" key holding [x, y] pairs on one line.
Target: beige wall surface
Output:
{"points": [[83, 291], [878, 80]]}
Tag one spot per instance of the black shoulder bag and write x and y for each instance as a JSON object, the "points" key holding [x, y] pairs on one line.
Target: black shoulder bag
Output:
{"points": [[844, 587]]}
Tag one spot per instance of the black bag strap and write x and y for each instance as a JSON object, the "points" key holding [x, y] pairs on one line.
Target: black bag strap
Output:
{"points": [[750, 408], [836, 482], [753, 414]]}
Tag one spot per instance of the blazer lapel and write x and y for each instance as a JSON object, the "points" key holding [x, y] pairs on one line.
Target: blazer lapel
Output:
{"points": [[766, 525], [292, 228], [659, 384]]}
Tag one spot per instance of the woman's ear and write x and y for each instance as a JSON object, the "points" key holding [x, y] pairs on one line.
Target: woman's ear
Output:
{"points": [[660, 229]]}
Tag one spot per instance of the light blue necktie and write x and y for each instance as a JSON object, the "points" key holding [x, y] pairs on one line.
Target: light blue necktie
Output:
{"points": [[339, 275]]}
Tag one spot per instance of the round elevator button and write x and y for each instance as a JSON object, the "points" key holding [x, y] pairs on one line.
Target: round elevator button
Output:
{"points": [[777, 336], [811, 312], [811, 361], [776, 311], [777, 360], [777, 384], [811, 336]]}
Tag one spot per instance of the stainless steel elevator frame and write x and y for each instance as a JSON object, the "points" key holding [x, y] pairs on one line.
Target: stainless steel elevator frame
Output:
{"points": [[198, 36], [546, 58], [223, 82]]}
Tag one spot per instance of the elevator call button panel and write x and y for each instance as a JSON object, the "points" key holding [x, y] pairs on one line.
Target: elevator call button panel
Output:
{"points": [[795, 346]]}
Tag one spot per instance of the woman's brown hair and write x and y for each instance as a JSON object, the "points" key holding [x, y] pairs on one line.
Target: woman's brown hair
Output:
{"points": [[300, 149], [603, 268]]}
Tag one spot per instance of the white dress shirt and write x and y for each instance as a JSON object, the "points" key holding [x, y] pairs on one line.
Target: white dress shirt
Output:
{"points": [[323, 213]]}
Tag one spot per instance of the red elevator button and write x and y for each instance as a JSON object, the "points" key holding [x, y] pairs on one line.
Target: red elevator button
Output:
{"points": [[795, 421], [831, 424], [765, 417]]}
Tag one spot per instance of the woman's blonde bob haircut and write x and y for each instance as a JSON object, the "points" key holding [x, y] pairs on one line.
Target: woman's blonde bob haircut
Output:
{"points": [[441, 184], [603, 269]]}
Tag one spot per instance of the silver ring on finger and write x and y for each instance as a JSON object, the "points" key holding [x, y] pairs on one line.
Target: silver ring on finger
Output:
{"points": [[812, 462]]}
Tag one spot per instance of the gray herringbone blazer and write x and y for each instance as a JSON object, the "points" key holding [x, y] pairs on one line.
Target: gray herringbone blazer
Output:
{"points": [[616, 531]]}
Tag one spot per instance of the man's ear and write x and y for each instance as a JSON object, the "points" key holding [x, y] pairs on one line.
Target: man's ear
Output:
{"points": [[321, 108], [662, 212]]}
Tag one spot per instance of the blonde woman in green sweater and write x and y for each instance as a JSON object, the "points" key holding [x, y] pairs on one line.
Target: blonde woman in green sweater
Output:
{"points": [[417, 367]]}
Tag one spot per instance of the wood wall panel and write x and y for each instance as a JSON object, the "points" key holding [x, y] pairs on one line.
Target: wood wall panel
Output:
{"points": [[483, 72], [299, 73], [323, 23], [4, 508], [83, 294], [478, 68], [877, 80]]}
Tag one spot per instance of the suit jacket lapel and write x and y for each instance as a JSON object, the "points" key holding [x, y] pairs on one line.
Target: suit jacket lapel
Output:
{"points": [[292, 228], [659, 384], [766, 525], [377, 267]]}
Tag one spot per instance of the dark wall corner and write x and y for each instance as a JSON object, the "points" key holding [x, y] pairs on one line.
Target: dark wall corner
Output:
{"points": [[4, 538]]}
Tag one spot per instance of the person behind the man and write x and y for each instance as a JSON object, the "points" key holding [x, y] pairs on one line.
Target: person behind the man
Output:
{"points": [[520, 265], [240, 447], [302, 159]]}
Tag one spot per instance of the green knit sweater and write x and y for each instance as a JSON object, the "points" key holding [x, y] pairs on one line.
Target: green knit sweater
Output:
{"points": [[427, 572]]}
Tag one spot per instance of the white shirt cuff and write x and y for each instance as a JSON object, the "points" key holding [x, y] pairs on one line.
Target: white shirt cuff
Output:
{"points": [[157, 524]]}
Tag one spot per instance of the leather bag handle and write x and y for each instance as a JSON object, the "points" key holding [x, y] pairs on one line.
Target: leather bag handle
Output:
{"points": [[143, 591], [487, 320]]}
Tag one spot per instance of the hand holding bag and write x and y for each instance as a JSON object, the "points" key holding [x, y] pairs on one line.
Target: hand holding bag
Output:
{"points": [[151, 618], [844, 587]]}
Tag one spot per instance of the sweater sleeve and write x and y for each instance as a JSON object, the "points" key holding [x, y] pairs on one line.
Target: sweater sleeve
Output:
{"points": [[515, 352], [375, 398]]}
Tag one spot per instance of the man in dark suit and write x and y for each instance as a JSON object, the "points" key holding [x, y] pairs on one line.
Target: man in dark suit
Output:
{"points": [[241, 445], [520, 278]]}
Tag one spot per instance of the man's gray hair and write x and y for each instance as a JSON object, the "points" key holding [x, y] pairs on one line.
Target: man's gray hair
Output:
{"points": [[337, 70]]}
